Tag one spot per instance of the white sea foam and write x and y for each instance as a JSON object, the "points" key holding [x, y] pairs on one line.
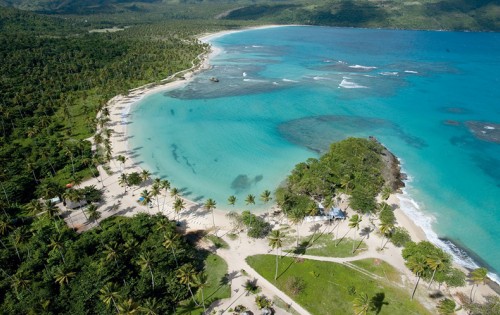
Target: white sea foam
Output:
{"points": [[289, 80], [351, 85], [489, 127], [253, 80], [244, 74], [389, 73], [362, 67], [413, 211], [320, 78], [257, 46], [411, 71]]}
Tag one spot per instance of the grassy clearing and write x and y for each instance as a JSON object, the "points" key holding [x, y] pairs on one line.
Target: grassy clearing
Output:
{"points": [[324, 246], [217, 288], [330, 288], [380, 268]]}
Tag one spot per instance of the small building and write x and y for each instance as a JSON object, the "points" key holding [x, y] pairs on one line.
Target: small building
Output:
{"points": [[337, 213]]}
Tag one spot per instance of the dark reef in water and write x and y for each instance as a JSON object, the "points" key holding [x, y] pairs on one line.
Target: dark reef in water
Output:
{"points": [[486, 131], [450, 122], [316, 133], [242, 182]]}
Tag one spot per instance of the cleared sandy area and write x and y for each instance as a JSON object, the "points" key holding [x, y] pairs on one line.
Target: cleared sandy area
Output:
{"points": [[121, 201]]}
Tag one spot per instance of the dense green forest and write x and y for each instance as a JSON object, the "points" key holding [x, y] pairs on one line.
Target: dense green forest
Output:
{"points": [[422, 14], [55, 77], [124, 265]]}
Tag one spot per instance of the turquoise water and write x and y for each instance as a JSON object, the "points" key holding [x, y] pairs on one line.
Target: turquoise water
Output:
{"points": [[286, 93]]}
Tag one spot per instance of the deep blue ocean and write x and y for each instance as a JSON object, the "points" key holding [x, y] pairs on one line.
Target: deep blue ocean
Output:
{"points": [[284, 94]]}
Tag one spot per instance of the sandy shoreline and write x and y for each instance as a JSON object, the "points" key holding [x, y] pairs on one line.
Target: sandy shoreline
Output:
{"points": [[195, 217]]}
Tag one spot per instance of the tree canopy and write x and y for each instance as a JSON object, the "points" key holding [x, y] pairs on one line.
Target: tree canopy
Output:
{"points": [[352, 166], [63, 272]]}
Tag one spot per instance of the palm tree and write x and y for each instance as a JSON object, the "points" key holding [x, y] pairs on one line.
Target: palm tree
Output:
{"points": [[185, 275], [386, 192], [231, 200], [110, 293], [56, 243], [111, 251], [146, 197], [276, 242], [210, 206], [477, 276], [417, 265], [386, 230], [174, 192], [93, 214], [155, 192], [145, 175], [63, 276], [361, 304], [5, 225], [145, 263], [150, 307], [163, 224], [179, 205], [34, 207], [121, 159], [250, 199], [353, 222], [435, 263], [171, 241], [266, 196], [128, 307], [296, 216], [200, 280], [123, 181], [446, 307], [165, 184], [51, 211]]}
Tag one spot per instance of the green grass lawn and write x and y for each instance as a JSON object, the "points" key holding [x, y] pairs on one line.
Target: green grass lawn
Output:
{"points": [[380, 268], [217, 289], [324, 245], [330, 288]]}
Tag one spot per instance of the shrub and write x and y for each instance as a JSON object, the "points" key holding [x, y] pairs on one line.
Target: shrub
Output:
{"points": [[262, 301]]}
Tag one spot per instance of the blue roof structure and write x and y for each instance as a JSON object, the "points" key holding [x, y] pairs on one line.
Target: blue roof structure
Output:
{"points": [[337, 213]]}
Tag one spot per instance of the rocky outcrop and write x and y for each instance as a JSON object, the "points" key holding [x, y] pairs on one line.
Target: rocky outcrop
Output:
{"points": [[391, 171]]}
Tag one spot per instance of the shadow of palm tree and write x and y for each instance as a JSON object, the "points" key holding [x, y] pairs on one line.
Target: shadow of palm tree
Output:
{"points": [[377, 301]]}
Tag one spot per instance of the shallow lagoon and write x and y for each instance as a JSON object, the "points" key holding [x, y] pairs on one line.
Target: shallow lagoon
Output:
{"points": [[285, 93]]}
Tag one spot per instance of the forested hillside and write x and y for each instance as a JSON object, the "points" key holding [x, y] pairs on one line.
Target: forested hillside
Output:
{"points": [[477, 15]]}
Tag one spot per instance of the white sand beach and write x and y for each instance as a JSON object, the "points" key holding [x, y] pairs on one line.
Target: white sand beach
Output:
{"points": [[118, 201]]}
